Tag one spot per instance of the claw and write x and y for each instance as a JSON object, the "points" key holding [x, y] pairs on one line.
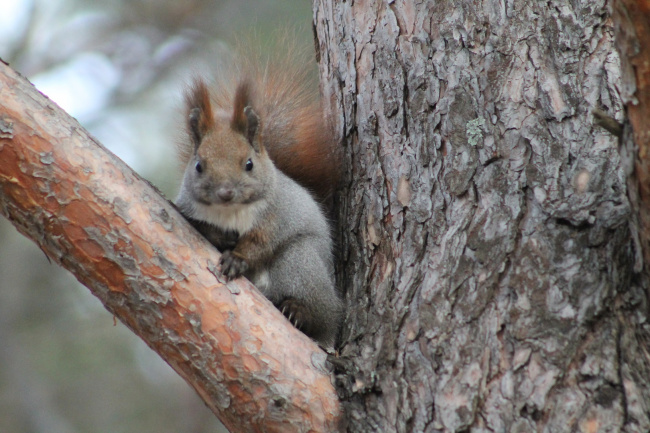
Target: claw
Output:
{"points": [[284, 309], [290, 316]]}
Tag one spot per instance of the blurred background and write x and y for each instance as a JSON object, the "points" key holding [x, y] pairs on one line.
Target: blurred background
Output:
{"points": [[119, 67]]}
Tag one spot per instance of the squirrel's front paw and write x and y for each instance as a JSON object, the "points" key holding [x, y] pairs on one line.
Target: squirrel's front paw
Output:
{"points": [[295, 311], [232, 265]]}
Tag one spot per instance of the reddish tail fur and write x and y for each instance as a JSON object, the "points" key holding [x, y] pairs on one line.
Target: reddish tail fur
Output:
{"points": [[311, 158]]}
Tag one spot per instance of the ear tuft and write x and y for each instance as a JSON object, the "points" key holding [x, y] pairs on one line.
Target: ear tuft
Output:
{"points": [[252, 127], [200, 118], [244, 119], [241, 100]]}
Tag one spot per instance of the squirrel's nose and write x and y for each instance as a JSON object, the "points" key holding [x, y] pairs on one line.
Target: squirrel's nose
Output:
{"points": [[225, 194]]}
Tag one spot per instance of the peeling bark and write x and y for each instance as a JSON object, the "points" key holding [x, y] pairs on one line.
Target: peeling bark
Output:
{"points": [[90, 213], [489, 238]]}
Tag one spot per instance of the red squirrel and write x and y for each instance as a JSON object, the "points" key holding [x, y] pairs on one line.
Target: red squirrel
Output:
{"points": [[257, 147]]}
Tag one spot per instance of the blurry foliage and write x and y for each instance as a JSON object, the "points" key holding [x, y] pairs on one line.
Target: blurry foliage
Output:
{"points": [[119, 67]]}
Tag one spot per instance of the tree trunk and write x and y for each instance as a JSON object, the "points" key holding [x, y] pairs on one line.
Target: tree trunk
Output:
{"points": [[91, 214], [492, 264]]}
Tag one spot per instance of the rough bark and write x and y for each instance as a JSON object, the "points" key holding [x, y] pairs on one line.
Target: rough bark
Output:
{"points": [[491, 259], [632, 25], [90, 213]]}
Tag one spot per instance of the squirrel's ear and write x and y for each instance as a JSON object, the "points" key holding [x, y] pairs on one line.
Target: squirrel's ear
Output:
{"points": [[244, 119], [252, 127], [199, 111]]}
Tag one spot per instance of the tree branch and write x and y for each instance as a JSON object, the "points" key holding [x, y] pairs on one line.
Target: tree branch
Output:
{"points": [[93, 215]]}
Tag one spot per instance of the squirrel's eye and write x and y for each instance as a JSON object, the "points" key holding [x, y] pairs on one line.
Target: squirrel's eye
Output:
{"points": [[249, 165], [198, 167]]}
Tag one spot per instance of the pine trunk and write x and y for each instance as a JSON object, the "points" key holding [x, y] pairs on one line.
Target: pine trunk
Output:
{"points": [[488, 226]]}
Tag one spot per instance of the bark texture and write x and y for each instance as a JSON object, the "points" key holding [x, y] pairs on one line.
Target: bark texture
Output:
{"points": [[90, 213], [493, 270], [632, 24]]}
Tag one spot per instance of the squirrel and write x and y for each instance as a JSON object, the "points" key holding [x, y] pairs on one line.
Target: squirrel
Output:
{"points": [[257, 147]]}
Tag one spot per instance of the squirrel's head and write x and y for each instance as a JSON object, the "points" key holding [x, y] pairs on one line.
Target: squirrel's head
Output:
{"points": [[229, 166]]}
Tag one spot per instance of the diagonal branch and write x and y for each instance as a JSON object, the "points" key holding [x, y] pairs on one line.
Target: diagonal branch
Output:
{"points": [[93, 215]]}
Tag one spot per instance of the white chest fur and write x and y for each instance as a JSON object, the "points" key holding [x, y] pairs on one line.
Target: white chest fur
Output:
{"points": [[238, 217]]}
